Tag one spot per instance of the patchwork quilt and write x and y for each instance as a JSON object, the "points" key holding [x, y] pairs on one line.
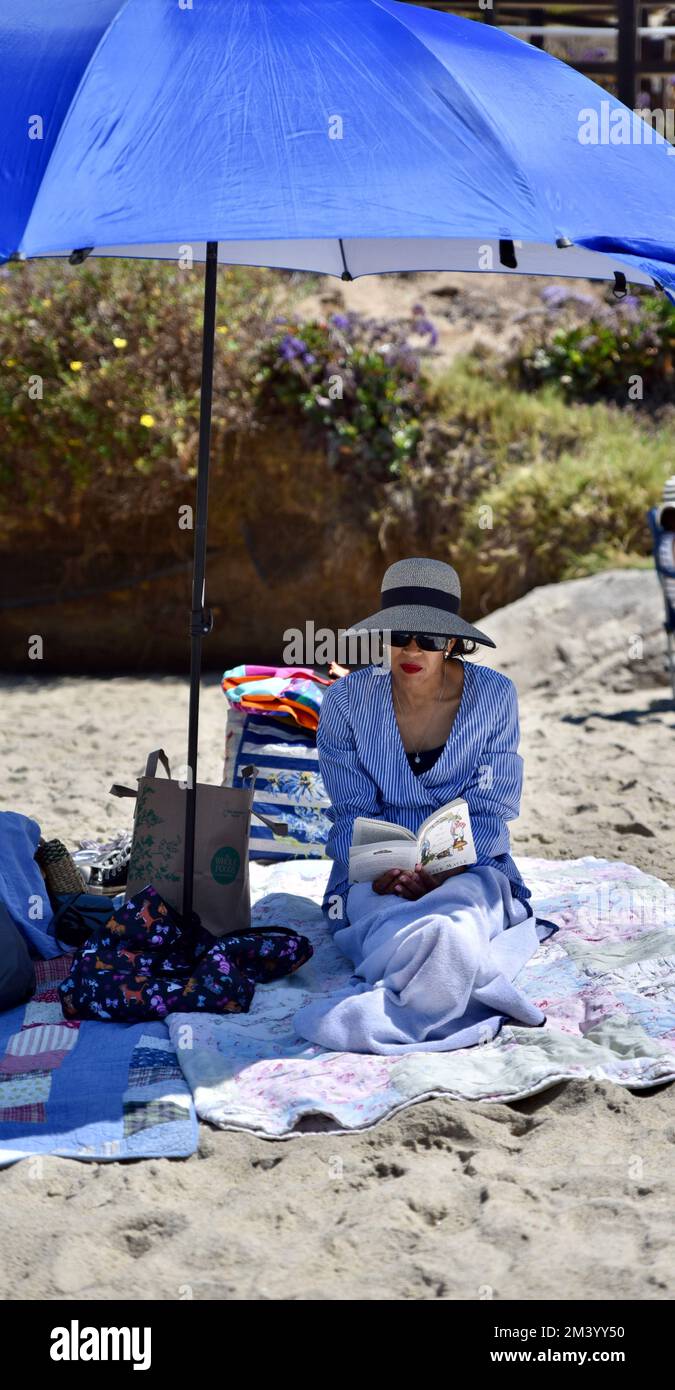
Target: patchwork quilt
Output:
{"points": [[88, 1090]]}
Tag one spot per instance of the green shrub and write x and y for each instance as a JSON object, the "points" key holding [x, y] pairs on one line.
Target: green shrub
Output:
{"points": [[515, 487], [602, 357], [355, 380], [116, 346], [100, 379], [522, 488]]}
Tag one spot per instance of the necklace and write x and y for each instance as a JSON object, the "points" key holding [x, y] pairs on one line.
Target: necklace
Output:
{"points": [[437, 701]]}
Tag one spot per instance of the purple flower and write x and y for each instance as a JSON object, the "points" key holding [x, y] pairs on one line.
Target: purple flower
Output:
{"points": [[291, 347], [427, 327], [339, 321], [309, 358], [554, 295]]}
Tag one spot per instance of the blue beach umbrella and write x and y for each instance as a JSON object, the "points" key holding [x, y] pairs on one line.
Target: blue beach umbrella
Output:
{"points": [[347, 137]]}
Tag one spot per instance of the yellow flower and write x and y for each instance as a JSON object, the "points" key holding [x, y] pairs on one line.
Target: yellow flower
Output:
{"points": [[119, 342], [46, 303], [147, 421], [222, 328], [10, 361], [76, 366]]}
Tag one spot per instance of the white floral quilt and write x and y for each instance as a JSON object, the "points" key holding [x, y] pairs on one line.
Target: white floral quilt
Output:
{"points": [[606, 981]]}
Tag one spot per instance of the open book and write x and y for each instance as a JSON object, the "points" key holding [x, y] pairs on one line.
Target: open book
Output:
{"points": [[443, 841]]}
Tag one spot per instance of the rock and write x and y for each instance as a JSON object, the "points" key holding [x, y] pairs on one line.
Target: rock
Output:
{"points": [[605, 630]]}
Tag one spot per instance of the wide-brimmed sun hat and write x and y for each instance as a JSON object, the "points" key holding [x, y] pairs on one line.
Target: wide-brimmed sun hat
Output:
{"points": [[421, 596], [668, 499]]}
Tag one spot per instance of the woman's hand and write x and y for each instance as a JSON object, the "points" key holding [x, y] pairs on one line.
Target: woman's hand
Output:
{"points": [[387, 882], [412, 884]]}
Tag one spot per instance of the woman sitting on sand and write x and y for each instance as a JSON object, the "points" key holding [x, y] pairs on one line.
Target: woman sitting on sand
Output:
{"points": [[435, 956]]}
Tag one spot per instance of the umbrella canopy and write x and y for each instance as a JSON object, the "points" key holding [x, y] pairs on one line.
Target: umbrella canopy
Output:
{"points": [[340, 136]]}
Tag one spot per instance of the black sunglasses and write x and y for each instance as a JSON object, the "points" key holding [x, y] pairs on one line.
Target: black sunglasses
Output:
{"points": [[426, 641]]}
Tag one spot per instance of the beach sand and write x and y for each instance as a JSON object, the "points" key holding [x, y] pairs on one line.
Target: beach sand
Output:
{"points": [[568, 1195]]}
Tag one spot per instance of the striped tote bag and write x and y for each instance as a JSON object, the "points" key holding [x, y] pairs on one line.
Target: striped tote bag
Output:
{"points": [[288, 786]]}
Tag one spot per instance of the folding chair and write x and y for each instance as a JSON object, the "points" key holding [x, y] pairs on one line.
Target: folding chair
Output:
{"points": [[665, 573]]}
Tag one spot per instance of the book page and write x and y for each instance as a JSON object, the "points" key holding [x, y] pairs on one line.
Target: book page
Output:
{"points": [[367, 862], [368, 832]]}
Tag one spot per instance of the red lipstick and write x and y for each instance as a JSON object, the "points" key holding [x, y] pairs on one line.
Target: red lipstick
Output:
{"points": [[409, 667]]}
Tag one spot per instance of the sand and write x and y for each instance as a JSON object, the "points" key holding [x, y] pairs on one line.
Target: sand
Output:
{"points": [[568, 1195]]}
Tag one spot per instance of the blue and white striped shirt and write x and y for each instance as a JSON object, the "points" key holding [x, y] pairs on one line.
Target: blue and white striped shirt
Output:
{"points": [[366, 772]]}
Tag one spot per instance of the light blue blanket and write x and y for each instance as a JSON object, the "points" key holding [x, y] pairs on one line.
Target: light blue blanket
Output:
{"points": [[22, 887], [432, 975]]}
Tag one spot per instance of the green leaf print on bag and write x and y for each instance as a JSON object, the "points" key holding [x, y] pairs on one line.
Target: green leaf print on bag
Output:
{"points": [[144, 813], [152, 858]]}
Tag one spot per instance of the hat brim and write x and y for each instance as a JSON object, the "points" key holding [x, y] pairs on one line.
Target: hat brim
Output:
{"points": [[414, 619]]}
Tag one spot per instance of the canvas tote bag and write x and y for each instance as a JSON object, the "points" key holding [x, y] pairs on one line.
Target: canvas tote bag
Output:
{"points": [[221, 878]]}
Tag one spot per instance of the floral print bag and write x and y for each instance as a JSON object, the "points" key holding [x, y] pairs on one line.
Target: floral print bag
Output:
{"points": [[143, 963]]}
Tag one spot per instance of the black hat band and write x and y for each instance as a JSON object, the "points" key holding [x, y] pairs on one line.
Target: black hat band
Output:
{"points": [[418, 594]]}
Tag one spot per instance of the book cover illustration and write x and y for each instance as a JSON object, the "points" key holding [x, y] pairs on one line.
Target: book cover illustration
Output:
{"points": [[445, 840]]}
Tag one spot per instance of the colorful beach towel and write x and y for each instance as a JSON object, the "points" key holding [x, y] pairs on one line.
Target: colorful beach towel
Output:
{"points": [[606, 981], [291, 692], [88, 1090]]}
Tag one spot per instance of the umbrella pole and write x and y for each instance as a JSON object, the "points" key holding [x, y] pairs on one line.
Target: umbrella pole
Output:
{"points": [[201, 620]]}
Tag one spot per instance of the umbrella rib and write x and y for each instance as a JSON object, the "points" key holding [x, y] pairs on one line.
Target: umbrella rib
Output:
{"points": [[346, 273]]}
